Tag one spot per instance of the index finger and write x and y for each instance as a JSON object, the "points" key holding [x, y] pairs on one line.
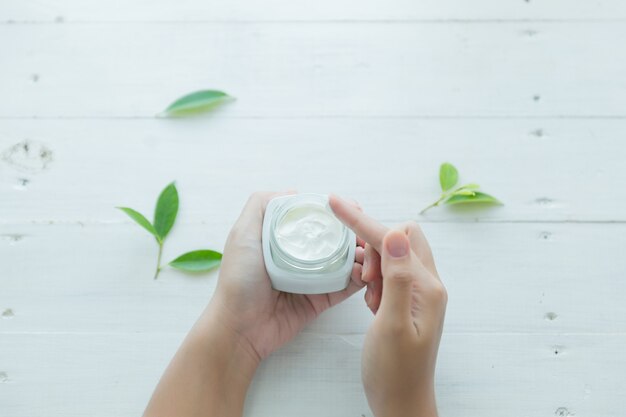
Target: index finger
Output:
{"points": [[364, 226]]}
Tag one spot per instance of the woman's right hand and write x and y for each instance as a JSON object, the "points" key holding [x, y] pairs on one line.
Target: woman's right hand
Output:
{"points": [[409, 300]]}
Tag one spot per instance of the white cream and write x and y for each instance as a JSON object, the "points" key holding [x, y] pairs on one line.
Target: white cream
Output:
{"points": [[309, 232], [306, 249]]}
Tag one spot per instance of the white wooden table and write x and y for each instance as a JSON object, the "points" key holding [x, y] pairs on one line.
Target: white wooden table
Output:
{"points": [[361, 97]]}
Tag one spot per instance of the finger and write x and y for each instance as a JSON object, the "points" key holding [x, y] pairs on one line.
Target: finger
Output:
{"points": [[257, 202], [251, 217], [371, 264], [376, 289], [399, 273], [355, 204], [364, 226], [419, 245], [359, 255], [355, 275], [368, 299], [359, 242], [368, 295]]}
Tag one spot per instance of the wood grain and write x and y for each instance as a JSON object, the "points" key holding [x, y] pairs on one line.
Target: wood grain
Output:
{"points": [[319, 375], [323, 70], [543, 170], [364, 99], [502, 278], [68, 11]]}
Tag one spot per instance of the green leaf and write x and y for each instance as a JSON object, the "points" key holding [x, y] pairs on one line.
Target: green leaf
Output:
{"points": [[197, 261], [469, 187], [141, 221], [448, 176], [464, 192], [197, 102], [478, 197], [166, 211]]}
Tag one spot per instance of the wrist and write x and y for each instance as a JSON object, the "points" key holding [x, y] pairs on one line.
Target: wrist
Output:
{"points": [[209, 375], [227, 364], [225, 346]]}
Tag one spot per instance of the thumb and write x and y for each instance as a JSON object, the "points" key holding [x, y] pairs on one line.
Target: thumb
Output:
{"points": [[399, 272]]}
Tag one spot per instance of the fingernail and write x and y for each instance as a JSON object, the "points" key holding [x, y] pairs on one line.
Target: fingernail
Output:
{"points": [[397, 245], [365, 263], [368, 297]]}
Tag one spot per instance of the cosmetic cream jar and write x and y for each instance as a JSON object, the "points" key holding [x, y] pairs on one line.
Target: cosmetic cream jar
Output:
{"points": [[306, 249]]}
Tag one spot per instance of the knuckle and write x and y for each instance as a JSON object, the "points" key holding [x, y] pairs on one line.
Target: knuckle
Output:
{"points": [[411, 226], [402, 275], [438, 292]]}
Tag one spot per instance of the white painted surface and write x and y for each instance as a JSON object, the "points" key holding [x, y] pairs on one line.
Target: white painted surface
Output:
{"points": [[448, 69], [308, 10], [536, 324]]}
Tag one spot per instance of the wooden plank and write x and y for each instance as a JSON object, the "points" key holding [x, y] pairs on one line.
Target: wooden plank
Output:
{"points": [[280, 10], [327, 69], [543, 170], [519, 278], [478, 375]]}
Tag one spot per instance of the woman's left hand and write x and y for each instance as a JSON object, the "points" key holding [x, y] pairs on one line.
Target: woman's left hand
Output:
{"points": [[245, 301]]}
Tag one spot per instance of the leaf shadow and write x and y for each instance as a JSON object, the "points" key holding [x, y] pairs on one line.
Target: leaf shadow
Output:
{"points": [[206, 114]]}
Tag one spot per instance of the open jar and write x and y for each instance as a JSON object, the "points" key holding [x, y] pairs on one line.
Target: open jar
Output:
{"points": [[306, 249]]}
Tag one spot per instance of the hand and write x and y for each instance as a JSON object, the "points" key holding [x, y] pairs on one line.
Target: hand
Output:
{"points": [[244, 299], [245, 321], [409, 300]]}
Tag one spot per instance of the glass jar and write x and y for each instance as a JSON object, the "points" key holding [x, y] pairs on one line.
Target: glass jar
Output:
{"points": [[306, 249]]}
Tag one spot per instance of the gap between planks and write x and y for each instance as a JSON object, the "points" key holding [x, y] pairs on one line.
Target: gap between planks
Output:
{"points": [[336, 117], [305, 333], [9, 22], [83, 223]]}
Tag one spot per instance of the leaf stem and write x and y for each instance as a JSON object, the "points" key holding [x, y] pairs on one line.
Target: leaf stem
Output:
{"points": [[436, 203], [158, 267]]}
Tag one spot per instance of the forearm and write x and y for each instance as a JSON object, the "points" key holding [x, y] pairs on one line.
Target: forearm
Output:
{"points": [[404, 403], [425, 408], [208, 377]]}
